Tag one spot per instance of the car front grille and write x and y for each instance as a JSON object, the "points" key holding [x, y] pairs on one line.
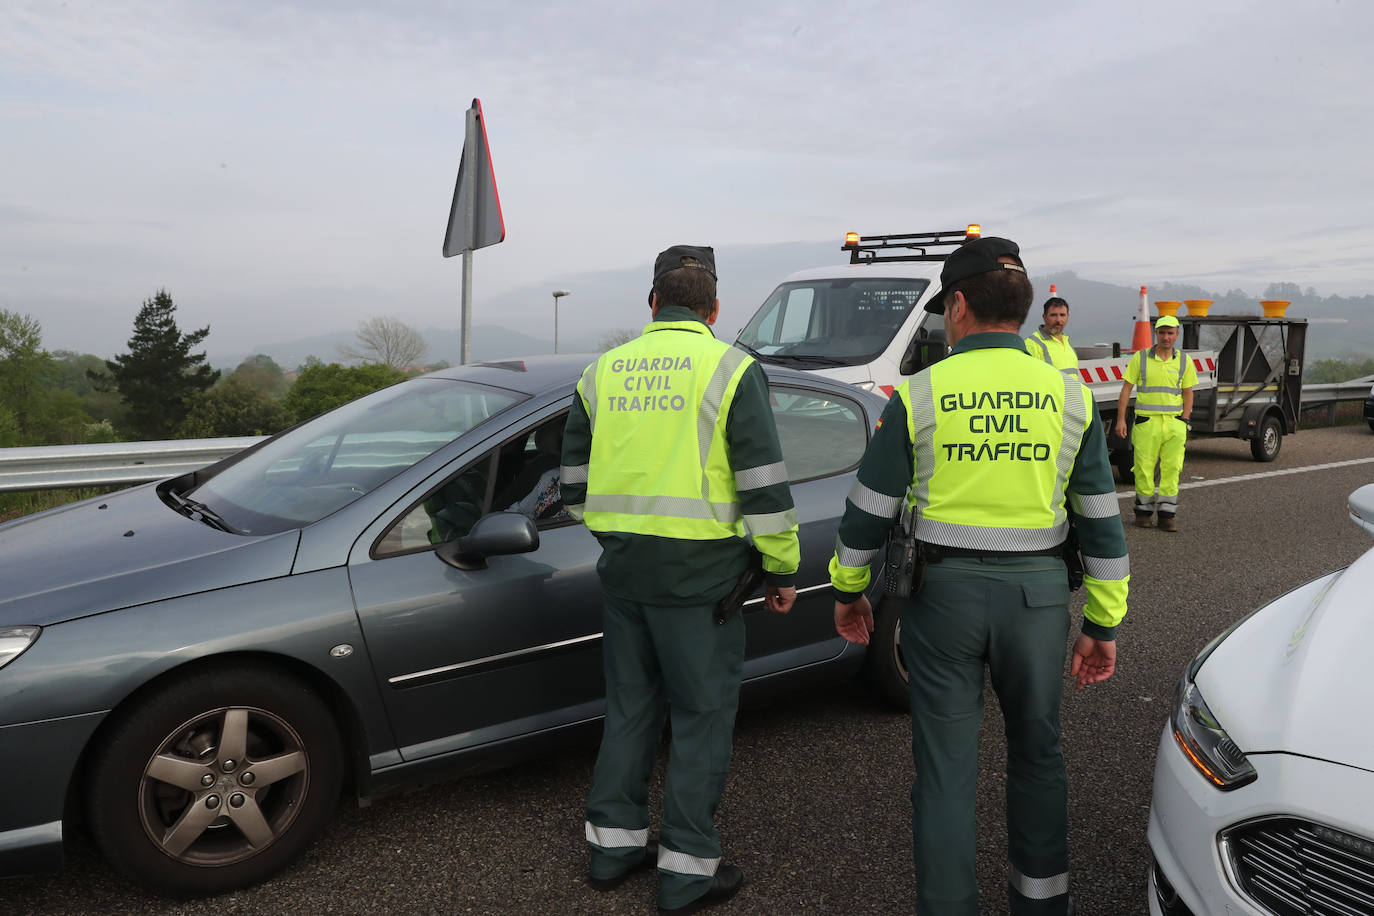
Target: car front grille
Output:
{"points": [[1293, 867]]}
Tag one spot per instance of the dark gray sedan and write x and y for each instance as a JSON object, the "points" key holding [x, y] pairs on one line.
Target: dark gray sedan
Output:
{"points": [[387, 593]]}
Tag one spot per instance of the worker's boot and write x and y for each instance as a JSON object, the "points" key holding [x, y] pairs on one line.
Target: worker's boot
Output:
{"points": [[1167, 523], [1144, 520]]}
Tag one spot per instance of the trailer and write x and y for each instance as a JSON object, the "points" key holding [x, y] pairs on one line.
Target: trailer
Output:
{"points": [[1249, 382]]}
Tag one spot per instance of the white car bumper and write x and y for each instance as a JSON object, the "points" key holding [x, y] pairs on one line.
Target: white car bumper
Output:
{"points": [[1187, 816]]}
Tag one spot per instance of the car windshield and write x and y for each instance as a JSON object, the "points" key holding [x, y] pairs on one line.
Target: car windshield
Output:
{"points": [[329, 462], [834, 322]]}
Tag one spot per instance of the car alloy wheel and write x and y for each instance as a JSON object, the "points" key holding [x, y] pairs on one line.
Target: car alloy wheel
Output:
{"points": [[214, 780], [223, 786]]}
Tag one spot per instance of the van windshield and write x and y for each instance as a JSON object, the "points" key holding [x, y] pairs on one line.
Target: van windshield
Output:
{"points": [[846, 321]]}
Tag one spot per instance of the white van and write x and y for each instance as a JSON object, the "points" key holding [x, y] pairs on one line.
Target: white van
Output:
{"points": [[856, 322]]}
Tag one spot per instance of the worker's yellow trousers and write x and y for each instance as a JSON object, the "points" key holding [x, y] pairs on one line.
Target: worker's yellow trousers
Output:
{"points": [[1158, 440]]}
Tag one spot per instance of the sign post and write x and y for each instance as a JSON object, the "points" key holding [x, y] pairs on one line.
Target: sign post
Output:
{"points": [[474, 219]]}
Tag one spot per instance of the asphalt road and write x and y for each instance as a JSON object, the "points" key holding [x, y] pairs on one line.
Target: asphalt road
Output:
{"points": [[817, 811]]}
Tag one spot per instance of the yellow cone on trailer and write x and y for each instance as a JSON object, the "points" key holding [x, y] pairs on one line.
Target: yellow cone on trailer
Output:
{"points": [[1167, 306], [1198, 306], [1274, 308]]}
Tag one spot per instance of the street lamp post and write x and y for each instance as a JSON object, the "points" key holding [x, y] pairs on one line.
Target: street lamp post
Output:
{"points": [[557, 294]]}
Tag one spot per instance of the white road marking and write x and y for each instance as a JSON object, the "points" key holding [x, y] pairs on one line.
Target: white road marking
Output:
{"points": [[1130, 494]]}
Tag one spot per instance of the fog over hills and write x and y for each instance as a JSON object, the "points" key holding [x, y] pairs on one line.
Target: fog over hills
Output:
{"points": [[519, 322]]}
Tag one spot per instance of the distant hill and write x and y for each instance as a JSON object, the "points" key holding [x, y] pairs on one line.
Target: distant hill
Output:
{"points": [[606, 301]]}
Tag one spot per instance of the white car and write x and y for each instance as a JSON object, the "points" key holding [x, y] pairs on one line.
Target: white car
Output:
{"points": [[1264, 782]]}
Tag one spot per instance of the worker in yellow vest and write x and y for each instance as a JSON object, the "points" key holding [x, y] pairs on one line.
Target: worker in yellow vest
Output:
{"points": [[670, 455], [1163, 378], [1049, 342], [997, 456]]}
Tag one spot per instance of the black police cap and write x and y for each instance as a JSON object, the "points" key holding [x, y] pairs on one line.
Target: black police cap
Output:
{"points": [[672, 258], [970, 259]]}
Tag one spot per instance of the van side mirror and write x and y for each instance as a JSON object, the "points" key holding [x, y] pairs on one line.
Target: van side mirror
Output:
{"points": [[925, 349]]}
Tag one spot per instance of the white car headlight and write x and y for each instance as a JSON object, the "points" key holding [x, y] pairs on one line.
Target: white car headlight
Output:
{"points": [[1204, 742], [14, 640]]}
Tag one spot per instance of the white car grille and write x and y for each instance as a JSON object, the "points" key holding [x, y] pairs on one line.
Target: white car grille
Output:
{"points": [[1292, 867]]}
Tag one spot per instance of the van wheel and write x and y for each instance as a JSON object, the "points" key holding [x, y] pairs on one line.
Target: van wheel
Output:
{"points": [[216, 781], [885, 669], [1268, 439]]}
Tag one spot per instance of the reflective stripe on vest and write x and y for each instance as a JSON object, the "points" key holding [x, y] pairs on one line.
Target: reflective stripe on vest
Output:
{"points": [[1044, 346], [1159, 399], [993, 454], [642, 477]]}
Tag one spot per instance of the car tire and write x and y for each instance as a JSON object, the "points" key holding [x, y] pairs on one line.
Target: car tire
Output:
{"points": [[215, 781], [1268, 439], [884, 668], [1371, 426]]}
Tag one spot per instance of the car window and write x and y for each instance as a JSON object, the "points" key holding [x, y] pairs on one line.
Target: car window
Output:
{"points": [[821, 433], [332, 460], [520, 475]]}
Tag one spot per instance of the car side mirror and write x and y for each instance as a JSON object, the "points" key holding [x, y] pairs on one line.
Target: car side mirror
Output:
{"points": [[495, 534], [925, 349]]}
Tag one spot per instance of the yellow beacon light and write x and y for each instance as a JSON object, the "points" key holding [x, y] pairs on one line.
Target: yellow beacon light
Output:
{"points": [[974, 231], [851, 239]]}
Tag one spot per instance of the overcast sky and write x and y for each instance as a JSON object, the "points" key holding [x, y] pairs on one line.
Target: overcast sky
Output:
{"points": [[285, 169]]}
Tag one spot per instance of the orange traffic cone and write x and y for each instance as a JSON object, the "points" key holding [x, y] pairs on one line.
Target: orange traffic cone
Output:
{"points": [[1053, 293], [1142, 337]]}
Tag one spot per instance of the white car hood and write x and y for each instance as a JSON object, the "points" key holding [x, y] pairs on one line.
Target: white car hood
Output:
{"points": [[1297, 676]]}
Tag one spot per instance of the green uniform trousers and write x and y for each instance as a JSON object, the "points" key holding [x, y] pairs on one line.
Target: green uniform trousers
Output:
{"points": [[1010, 615], [679, 661], [1160, 439]]}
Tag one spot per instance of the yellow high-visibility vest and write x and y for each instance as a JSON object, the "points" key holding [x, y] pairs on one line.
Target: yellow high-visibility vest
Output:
{"points": [[994, 442], [658, 407]]}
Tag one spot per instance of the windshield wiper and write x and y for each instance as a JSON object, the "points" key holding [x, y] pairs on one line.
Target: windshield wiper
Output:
{"points": [[748, 349], [807, 359], [198, 511]]}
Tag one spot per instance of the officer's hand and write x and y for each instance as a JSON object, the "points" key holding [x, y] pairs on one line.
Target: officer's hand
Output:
{"points": [[1093, 660], [854, 621], [779, 600], [1121, 428]]}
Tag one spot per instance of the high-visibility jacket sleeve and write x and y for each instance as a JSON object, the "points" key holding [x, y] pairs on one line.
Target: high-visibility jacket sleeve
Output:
{"points": [[577, 453], [1096, 514], [1034, 348], [875, 499], [755, 455]]}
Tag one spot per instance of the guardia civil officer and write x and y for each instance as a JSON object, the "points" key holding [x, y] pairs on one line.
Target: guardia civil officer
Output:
{"points": [[1163, 411], [1049, 342], [670, 454], [996, 453]]}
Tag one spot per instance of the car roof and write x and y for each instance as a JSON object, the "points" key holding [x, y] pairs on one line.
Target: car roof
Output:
{"points": [[537, 375]]}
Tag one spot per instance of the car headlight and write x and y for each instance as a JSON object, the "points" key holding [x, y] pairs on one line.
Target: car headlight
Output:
{"points": [[14, 640], [1204, 742]]}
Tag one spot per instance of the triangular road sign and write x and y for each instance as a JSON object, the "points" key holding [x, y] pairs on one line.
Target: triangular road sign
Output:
{"points": [[475, 220]]}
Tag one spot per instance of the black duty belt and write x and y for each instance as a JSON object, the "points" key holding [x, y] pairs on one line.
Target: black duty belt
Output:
{"points": [[937, 552]]}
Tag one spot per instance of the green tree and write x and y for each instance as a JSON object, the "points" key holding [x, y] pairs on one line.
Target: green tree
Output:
{"points": [[261, 373], [22, 362], [1324, 371], [234, 408], [321, 387], [160, 375]]}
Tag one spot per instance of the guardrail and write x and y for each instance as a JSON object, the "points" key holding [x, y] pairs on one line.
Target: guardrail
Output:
{"points": [[107, 464], [1332, 394], [52, 467]]}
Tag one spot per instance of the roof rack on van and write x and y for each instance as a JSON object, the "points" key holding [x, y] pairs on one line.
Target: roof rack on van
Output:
{"points": [[866, 249]]}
